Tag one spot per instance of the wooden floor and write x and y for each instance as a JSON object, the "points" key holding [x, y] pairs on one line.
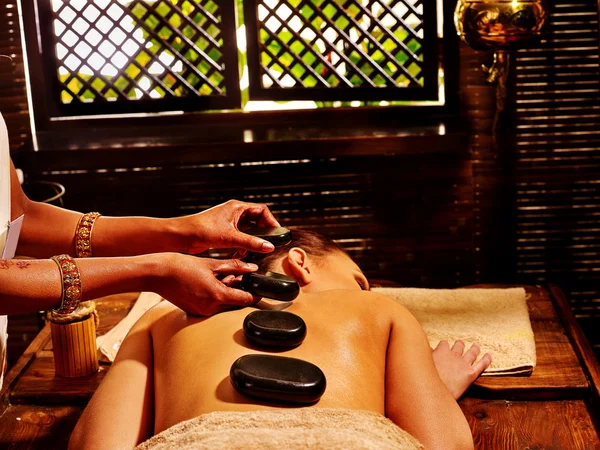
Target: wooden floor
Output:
{"points": [[551, 409]]}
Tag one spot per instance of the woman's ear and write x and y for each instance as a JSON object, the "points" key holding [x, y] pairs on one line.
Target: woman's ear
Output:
{"points": [[299, 266]]}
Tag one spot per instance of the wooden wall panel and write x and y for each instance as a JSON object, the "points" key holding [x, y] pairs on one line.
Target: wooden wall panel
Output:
{"points": [[522, 208], [557, 159], [13, 91], [405, 218], [492, 211]]}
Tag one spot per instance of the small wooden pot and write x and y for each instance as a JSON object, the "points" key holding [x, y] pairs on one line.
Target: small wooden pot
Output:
{"points": [[74, 347]]}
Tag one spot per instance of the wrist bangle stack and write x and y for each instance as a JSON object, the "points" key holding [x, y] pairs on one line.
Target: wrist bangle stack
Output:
{"points": [[71, 284], [83, 235]]}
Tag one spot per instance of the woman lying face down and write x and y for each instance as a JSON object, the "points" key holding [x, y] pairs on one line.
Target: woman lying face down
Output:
{"points": [[173, 367]]}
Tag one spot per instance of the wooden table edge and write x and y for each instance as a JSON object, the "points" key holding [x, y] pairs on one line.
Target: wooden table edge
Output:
{"points": [[528, 393], [21, 366], [582, 347]]}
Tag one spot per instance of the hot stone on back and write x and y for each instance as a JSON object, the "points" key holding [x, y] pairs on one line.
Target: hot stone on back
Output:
{"points": [[278, 379], [274, 328]]}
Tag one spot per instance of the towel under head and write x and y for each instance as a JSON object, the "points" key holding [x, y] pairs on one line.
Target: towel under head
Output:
{"points": [[496, 319]]}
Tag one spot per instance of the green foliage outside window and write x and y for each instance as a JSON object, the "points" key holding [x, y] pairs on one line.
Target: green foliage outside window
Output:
{"points": [[159, 32]]}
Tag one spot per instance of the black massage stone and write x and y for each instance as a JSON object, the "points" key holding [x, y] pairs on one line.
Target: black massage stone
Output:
{"points": [[274, 328], [271, 285], [278, 379], [277, 236]]}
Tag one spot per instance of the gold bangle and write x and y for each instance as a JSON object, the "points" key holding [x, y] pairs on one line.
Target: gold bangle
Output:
{"points": [[83, 235], [70, 282]]}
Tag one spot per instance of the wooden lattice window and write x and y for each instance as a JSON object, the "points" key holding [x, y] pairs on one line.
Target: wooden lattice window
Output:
{"points": [[163, 54], [115, 56], [342, 50]]}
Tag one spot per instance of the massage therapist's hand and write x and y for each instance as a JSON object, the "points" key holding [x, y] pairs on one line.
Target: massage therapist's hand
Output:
{"points": [[191, 283], [222, 225]]}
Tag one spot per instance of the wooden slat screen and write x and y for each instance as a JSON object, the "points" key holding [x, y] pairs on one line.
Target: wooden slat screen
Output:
{"points": [[557, 159], [403, 218], [13, 93], [523, 210], [492, 238]]}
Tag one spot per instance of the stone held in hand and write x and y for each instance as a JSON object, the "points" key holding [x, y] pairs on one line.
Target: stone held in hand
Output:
{"points": [[278, 236], [271, 285]]}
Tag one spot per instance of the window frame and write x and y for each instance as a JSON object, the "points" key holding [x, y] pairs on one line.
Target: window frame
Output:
{"points": [[46, 120], [429, 91]]}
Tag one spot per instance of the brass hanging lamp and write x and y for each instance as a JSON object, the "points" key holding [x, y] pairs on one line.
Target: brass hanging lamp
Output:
{"points": [[502, 26]]}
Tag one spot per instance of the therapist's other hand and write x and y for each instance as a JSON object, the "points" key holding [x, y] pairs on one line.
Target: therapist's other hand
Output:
{"points": [[222, 227], [191, 283]]}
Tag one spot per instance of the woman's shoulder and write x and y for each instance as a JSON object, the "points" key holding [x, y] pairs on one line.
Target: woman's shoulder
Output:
{"points": [[367, 304], [157, 312]]}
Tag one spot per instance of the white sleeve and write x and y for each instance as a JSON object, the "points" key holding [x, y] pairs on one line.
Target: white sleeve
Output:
{"points": [[4, 220], [4, 182]]}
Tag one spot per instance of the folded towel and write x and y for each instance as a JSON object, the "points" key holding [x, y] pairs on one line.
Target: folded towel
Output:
{"points": [[290, 429], [496, 319], [108, 345]]}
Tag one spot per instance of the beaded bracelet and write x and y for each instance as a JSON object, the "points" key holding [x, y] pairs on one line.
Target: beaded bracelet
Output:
{"points": [[71, 284], [83, 235]]}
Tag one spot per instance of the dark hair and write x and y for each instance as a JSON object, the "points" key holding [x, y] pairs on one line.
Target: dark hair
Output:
{"points": [[312, 243]]}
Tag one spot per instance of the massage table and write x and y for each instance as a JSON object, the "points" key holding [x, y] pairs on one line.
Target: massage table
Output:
{"points": [[554, 408]]}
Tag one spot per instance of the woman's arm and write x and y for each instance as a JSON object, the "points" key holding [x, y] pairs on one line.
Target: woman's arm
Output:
{"points": [[187, 281], [120, 415], [415, 397], [49, 230], [35, 285]]}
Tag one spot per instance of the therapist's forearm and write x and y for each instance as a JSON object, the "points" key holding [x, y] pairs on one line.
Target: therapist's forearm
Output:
{"points": [[49, 230], [35, 285]]}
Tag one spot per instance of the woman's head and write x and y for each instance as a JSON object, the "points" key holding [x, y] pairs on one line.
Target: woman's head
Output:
{"points": [[316, 262], [313, 243]]}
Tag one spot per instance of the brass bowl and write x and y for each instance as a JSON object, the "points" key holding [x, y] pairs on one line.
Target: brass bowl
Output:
{"points": [[499, 25]]}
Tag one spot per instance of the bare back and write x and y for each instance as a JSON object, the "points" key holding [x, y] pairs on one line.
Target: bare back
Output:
{"points": [[374, 354], [348, 335]]}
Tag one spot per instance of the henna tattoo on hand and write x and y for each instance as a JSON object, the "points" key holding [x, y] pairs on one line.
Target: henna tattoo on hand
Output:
{"points": [[5, 264], [23, 264]]}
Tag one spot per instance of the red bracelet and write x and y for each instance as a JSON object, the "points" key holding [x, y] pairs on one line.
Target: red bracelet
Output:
{"points": [[71, 284], [83, 235]]}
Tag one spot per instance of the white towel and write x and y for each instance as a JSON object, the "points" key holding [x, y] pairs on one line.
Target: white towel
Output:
{"points": [[496, 319], [285, 429], [108, 345]]}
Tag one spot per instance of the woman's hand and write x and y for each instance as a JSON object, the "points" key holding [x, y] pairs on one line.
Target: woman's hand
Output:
{"points": [[191, 283], [457, 368], [222, 226]]}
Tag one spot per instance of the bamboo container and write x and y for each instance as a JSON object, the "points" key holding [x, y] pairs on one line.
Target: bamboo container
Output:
{"points": [[74, 346]]}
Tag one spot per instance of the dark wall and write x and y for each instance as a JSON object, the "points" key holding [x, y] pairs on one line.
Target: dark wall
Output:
{"points": [[557, 160], [537, 186], [406, 218], [13, 94], [522, 208]]}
